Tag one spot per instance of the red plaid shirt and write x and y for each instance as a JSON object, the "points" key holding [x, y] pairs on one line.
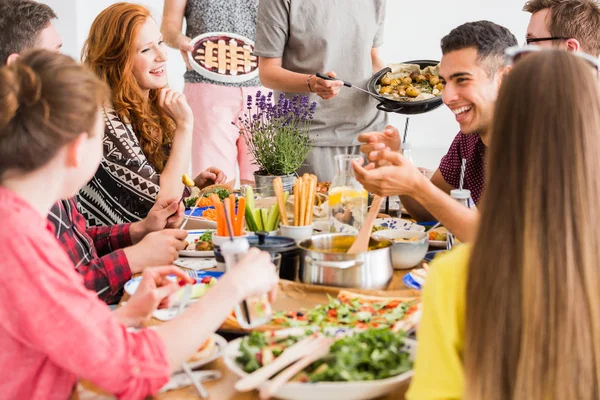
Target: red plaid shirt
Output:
{"points": [[96, 252]]}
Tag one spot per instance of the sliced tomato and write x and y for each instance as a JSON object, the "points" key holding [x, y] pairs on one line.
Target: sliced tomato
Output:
{"points": [[206, 279], [412, 309], [362, 325], [279, 321], [374, 324], [332, 313], [368, 309], [393, 304]]}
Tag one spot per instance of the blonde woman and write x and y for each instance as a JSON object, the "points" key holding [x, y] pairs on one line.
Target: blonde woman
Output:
{"points": [[517, 315]]}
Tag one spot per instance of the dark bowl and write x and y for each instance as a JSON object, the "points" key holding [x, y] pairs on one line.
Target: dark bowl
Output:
{"points": [[403, 107]]}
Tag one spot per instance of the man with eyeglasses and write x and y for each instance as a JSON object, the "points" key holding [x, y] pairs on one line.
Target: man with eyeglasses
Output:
{"points": [[570, 24], [472, 68]]}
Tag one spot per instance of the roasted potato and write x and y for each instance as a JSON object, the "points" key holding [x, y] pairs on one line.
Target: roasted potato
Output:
{"points": [[385, 90], [428, 76], [434, 80], [402, 93], [421, 78], [386, 80], [407, 80], [395, 82], [414, 75], [412, 92], [439, 86]]}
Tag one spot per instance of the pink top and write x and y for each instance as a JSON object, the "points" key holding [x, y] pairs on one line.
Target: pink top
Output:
{"points": [[53, 330]]}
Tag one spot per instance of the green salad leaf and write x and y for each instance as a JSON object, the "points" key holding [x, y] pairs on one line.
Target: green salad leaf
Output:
{"points": [[366, 356]]}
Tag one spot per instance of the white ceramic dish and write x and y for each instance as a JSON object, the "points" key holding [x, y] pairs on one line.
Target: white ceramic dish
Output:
{"points": [[405, 254], [220, 347], [192, 235], [361, 390], [214, 75], [398, 224]]}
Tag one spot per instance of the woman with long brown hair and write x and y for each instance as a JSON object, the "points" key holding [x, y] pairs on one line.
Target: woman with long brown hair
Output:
{"points": [[53, 330], [517, 314], [147, 143]]}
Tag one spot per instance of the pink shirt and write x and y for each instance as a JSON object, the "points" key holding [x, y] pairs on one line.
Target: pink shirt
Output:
{"points": [[53, 330]]}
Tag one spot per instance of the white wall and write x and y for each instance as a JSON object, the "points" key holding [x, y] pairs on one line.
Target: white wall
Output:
{"points": [[413, 31]]}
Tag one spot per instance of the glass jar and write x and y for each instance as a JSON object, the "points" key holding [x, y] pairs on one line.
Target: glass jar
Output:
{"points": [[463, 196], [252, 311], [347, 198]]}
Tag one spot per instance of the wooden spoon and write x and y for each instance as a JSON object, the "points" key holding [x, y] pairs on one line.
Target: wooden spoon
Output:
{"points": [[361, 244]]}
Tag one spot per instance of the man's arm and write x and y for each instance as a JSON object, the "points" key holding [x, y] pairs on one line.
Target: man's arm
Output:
{"points": [[458, 219], [416, 210], [400, 176], [376, 60]]}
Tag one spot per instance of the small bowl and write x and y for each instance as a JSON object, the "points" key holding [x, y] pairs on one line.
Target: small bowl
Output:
{"points": [[298, 233], [406, 254], [219, 240]]}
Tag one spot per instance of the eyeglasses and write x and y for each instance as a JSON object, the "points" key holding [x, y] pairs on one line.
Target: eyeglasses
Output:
{"points": [[544, 39], [514, 54]]}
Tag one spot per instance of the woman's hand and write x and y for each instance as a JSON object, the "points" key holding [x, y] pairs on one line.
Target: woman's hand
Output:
{"points": [[183, 44], [177, 107], [153, 292], [209, 177], [254, 275]]}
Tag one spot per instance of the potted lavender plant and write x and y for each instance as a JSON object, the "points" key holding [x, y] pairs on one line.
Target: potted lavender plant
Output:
{"points": [[277, 137]]}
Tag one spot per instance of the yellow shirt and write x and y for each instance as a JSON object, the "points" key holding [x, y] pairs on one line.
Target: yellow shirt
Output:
{"points": [[441, 332]]}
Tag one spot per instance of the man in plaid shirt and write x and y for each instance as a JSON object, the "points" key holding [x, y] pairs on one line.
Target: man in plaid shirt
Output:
{"points": [[107, 257]]}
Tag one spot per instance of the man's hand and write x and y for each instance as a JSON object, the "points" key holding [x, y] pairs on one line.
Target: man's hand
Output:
{"points": [[398, 177], [209, 177], [326, 89], [164, 213], [157, 248], [153, 292], [378, 141]]}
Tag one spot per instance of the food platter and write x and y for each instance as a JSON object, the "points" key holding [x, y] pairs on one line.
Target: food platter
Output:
{"points": [[348, 390], [230, 57], [403, 106]]}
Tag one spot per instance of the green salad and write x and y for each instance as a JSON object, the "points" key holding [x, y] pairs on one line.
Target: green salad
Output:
{"points": [[370, 355]]}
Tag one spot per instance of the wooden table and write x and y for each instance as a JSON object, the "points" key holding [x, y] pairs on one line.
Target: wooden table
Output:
{"points": [[291, 296]]}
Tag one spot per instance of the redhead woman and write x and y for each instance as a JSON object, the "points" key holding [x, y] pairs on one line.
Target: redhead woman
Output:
{"points": [[515, 315], [53, 329], [148, 127]]}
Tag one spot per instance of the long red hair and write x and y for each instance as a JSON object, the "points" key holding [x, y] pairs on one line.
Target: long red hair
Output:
{"points": [[109, 52]]}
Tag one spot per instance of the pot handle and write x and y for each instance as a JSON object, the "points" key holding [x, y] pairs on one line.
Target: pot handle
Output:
{"points": [[336, 264]]}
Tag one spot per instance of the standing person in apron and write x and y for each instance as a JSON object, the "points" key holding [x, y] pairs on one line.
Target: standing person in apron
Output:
{"points": [[216, 142]]}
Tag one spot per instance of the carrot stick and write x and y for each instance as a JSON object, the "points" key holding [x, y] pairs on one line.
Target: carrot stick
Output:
{"points": [[232, 208], [220, 218], [239, 221], [227, 205]]}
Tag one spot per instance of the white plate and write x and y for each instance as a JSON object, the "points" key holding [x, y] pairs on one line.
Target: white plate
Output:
{"points": [[328, 390], [214, 75], [220, 346], [192, 235]]}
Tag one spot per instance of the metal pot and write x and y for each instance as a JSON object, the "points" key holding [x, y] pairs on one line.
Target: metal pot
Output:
{"points": [[264, 184], [325, 261]]}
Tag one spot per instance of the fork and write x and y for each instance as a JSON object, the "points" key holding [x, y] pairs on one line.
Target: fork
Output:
{"points": [[199, 388]]}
